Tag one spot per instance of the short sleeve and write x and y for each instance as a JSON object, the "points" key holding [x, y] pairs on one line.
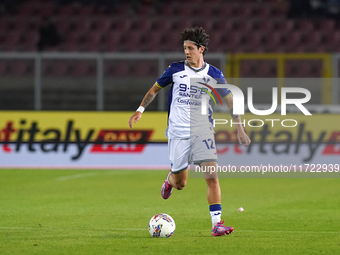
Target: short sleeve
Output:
{"points": [[166, 78]]}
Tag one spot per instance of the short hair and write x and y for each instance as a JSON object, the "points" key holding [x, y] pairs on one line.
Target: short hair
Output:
{"points": [[196, 35]]}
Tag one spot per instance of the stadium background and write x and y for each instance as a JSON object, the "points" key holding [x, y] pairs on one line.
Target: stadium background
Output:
{"points": [[67, 105]]}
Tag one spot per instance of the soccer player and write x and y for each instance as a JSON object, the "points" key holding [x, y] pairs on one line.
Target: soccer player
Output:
{"points": [[191, 139]]}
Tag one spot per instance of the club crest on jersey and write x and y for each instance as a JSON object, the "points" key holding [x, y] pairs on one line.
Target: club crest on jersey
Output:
{"points": [[206, 79]]}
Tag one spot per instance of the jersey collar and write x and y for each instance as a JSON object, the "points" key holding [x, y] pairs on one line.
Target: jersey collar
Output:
{"points": [[196, 70]]}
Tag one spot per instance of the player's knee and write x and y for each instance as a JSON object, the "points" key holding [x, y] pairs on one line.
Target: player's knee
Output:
{"points": [[212, 181], [180, 184]]}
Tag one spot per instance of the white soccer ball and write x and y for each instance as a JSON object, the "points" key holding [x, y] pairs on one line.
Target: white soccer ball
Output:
{"points": [[162, 225]]}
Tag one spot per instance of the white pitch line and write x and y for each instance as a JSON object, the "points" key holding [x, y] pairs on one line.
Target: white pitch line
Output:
{"points": [[86, 175], [76, 176], [202, 230]]}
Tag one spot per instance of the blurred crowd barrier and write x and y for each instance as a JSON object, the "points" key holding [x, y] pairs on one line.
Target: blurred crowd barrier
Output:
{"points": [[118, 81]]}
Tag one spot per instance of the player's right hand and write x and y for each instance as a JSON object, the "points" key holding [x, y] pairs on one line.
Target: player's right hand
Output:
{"points": [[135, 118]]}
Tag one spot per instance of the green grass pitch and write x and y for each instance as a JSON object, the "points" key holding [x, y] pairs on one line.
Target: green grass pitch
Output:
{"points": [[107, 212]]}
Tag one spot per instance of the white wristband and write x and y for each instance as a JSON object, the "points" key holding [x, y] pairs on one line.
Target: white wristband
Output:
{"points": [[140, 109]]}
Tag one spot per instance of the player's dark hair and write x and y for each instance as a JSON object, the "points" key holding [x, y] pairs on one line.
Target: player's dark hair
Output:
{"points": [[197, 35]]}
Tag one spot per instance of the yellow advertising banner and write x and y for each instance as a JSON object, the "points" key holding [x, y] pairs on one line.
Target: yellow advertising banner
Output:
{"points": [[75, 126], [72, 126], [102, 139]]}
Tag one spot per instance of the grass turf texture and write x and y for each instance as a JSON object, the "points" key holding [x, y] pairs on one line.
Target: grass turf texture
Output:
{"points": [[107, 212]]}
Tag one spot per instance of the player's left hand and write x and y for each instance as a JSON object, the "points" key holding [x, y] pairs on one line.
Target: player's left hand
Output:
{"points": [[242, 137]]}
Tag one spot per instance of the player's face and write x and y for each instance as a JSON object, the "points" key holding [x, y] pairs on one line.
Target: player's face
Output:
{"points": [[193, 54]]}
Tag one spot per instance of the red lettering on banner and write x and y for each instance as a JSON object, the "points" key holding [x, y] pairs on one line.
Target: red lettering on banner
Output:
{"points": [[330, 148], [123, 141], [221, 151], [237, 149], [228, 138], [6, 135]]}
